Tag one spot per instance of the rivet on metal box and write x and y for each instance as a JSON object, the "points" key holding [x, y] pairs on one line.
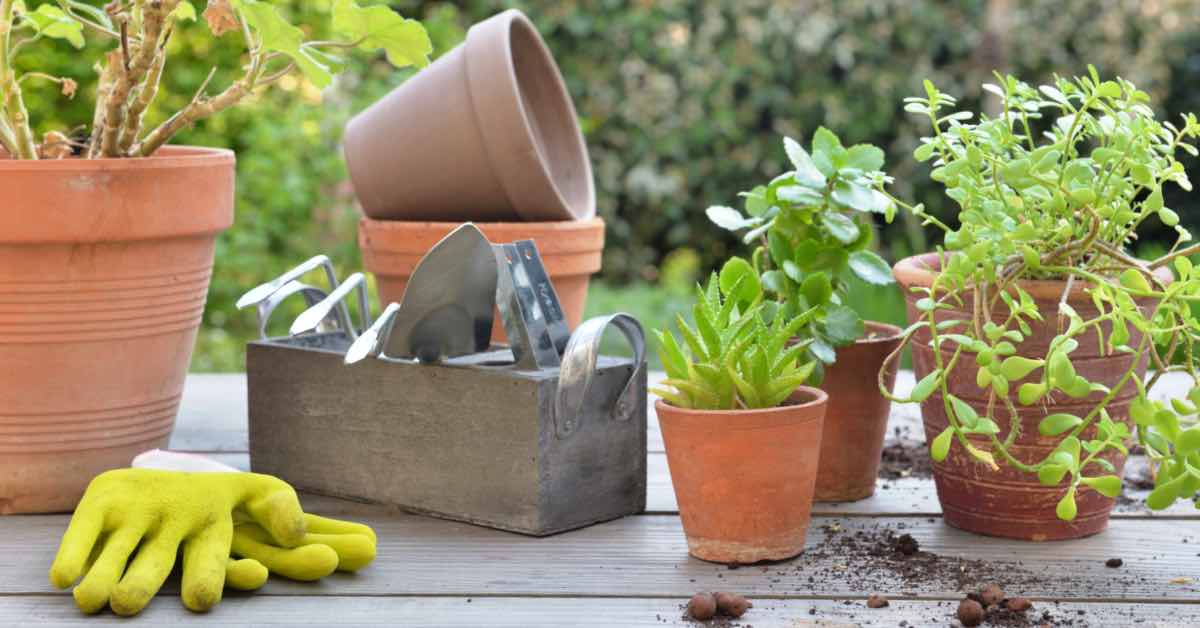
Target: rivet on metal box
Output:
{"points": [[418, 411]]}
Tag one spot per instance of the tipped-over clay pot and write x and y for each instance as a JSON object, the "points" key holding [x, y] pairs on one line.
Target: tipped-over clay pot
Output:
{"points": [[486, 133]]}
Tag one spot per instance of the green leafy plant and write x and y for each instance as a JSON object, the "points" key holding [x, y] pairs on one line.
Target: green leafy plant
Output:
{"points": [[813, 229], [738, 355], [1056, 186], [129, 77]]}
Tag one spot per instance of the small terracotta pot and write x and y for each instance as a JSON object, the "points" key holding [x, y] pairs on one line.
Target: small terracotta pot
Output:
{"points": [[570, 250], [104, 270], [487, 132], [857, 417], [744, 479], [1009, 503]]}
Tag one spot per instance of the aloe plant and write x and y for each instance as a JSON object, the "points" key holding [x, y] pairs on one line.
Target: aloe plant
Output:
{"points": [[131, 71], [738, 354], [812, 229]]}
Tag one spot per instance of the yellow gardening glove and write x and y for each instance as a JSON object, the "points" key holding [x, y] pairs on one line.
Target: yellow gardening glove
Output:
{"points": [[328, 545], [156, 513]]}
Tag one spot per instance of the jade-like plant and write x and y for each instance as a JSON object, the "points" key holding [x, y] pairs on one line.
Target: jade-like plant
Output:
{"points": [[737, 356], [139, 32], [812, 229], [1057, 186]]}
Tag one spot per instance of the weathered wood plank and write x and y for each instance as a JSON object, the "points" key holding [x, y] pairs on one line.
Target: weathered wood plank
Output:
{"points": [[647, 556], [507, 612]]}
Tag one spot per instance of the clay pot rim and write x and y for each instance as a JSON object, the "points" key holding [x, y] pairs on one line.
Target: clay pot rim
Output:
{"points": [[171, 156], [921, 270], [887, 333], [814, 397], [509, 22], [587, 224]]}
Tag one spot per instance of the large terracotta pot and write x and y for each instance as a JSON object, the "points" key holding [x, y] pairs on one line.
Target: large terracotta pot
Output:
{"points": [[1009, 503], [104, 269], [744, 479], [487, 132], [857, 417], [570, 250]]}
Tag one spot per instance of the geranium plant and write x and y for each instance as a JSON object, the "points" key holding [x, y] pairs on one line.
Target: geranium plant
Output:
{"points": [[1057, 187], [139, 31], [812, 229], [736, 357]]}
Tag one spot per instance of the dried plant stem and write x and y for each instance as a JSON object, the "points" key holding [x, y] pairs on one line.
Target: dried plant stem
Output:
{"points": [[13, 105], [146, 93], [135, 65], [103, 87]]}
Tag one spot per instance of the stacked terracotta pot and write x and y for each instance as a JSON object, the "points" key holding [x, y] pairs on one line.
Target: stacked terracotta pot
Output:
{"points": [[486, 134]]}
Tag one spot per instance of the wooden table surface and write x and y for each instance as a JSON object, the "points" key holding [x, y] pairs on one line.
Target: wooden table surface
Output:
{"points": [[636, 571]]}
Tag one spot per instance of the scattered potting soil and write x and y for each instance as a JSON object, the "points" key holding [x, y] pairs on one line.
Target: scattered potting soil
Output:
{"points": [[904, 456], [1114, 562], [720, 609]]}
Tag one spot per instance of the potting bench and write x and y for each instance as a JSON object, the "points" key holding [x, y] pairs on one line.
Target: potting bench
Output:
{"points": [[636, 572]]}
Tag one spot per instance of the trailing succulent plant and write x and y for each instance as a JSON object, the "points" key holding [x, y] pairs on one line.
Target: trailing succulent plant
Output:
{"points": [[140, 31], [813, 227], [1056, 186], [739, 354]]}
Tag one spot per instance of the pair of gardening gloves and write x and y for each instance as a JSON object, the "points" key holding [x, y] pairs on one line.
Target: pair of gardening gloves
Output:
{"points": [[132, 524]]}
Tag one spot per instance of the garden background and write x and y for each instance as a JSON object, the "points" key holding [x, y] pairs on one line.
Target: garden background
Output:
{"points": [[683, 103]]}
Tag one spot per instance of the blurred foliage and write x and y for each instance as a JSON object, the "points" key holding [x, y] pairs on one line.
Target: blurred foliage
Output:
{"points": [[682, 102]]}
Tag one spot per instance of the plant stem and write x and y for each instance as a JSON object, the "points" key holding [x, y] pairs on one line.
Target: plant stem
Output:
{"points": [[145, 95], [201, 107], [13, 106], [133, 71]]}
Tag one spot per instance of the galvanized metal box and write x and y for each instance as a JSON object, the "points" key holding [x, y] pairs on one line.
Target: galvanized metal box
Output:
{"points": [[473, 439]]}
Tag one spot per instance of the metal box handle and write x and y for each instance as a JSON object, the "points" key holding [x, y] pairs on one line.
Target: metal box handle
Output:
{"points": [[579, 366]]}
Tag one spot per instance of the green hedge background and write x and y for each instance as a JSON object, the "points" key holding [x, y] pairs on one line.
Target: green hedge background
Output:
{"points": [[682, 103]]}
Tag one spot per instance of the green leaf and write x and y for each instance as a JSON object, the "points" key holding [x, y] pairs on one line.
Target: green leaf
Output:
{"points": [[1106, 485], [277, 35], [965, 413], [1168, 217], [1016, 367], [729, 218], [184, 11], [924, 152], [822, 351], [1154, 202], [97, 14], [940, 447], [1059, 423], [864, 157], [1029, 393], [985, 426], [1051, 474], [1165, 493], [855, 196], [756, 201], [1134, 280], [378, 27], [817, 288], [840, 226], [828, 154], [806, 171], [871, 268], [926, 386], [739, 281], [1066, 509], [843, 324], [51, 21], [1188, 441]]}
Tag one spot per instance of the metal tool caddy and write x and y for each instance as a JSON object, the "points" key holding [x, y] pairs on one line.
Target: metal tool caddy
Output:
{"points": [[419, 411]]}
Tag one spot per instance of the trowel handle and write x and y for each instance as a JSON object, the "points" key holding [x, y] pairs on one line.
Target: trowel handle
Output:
{"points": [[312, 296], [579, 367]]}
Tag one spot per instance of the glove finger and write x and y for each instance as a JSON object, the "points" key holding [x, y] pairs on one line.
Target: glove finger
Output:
{"points": [[273, 504], [97, 585], [205, 555], [354, 551], [76, 546], [324, 525], [305, 563], [146, 574], [246, 574]]}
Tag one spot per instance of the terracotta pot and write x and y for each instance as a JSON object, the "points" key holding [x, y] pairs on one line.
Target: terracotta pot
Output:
{"points": [[1009, 503], [857, 416], [744, 479], [487, 132], [104, 269], [570, 250]]}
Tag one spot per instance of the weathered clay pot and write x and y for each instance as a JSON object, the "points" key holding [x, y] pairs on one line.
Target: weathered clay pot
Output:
{"points": [[857, 416], [487, 132], [104, 269], [1009, 503], [571, 251], [744, 479]]}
